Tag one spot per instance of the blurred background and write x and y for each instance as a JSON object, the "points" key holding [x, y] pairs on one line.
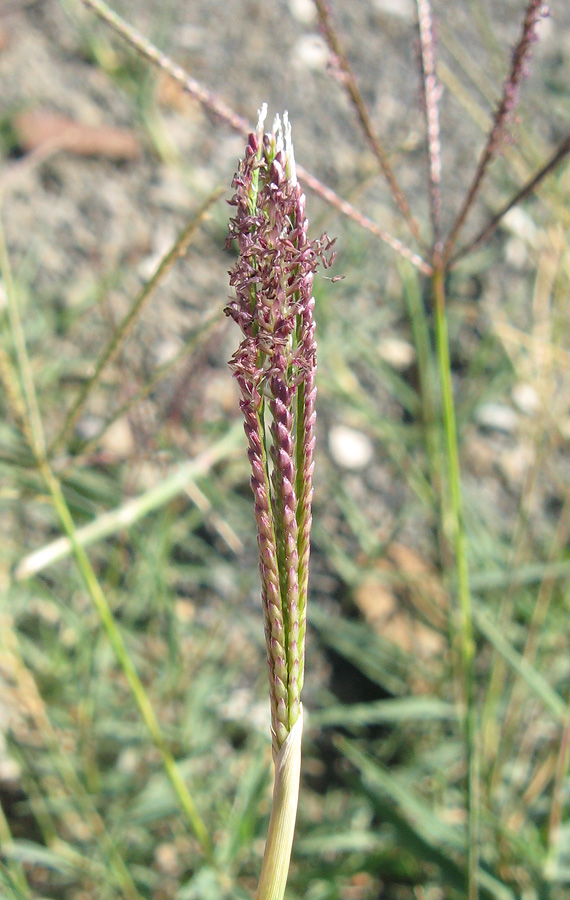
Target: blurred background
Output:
{"points": [[104, 163]]}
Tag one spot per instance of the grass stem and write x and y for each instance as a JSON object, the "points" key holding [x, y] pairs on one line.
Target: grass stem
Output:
{"points": [[277, 854], [122, 655], [132, 511], [458, 539], [14, 869], [350, 83]]}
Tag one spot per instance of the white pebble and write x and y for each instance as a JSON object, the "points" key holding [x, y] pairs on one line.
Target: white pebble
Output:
{"points": [[349, 448], [311, 51], [166, 350], [397, 353], [497, 416], [303, 11], [526, 398], [402, 9], [118, 439], [190, 37], [520, 224], [88, 427]]}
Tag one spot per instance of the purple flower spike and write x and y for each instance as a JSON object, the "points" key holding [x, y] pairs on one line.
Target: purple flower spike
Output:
{"points": [[275, 368]]}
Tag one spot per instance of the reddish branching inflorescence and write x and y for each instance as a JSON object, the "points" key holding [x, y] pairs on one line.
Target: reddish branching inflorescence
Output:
{"points": [[535, 11], [275, 368], [430, 95]]}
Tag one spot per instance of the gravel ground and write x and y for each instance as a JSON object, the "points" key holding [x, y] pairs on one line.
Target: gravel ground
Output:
{"points": [[72, 220], [82, 213]]}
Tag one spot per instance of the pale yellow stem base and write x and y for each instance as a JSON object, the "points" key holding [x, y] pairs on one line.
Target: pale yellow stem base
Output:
{"points": [[277, 856]]}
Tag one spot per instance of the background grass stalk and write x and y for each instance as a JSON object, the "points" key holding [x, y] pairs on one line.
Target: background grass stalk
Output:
{"points": [[121, 332], [200, 333], [351, 85], [68, 778], [456, 527], [35, 431], [427, 371], [115, 637], [132, 511], [14, 869]]}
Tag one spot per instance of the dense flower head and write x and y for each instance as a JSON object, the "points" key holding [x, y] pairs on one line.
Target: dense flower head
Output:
{"points": [[273, 277], [275, 366]]}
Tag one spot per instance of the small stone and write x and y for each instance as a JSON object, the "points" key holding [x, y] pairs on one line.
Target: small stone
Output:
{"points": [[311, 52], [514, 463], [524, 236], [128, 761], [190, 37], [167, 859], [520, 224], [400, 9], [496, 416], [9, 770], [166, 350], [350, 449], [303, 11], [68, 637], [185, 611], [526, 399], [375, 601], [397, 353], [89, 427], [118, 439]]}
